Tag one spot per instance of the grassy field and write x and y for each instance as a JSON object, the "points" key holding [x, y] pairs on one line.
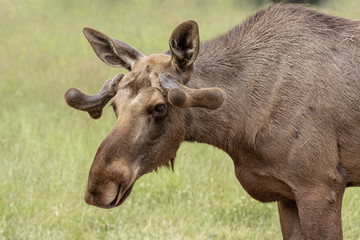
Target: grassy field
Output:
{"points": [[46, 148]]}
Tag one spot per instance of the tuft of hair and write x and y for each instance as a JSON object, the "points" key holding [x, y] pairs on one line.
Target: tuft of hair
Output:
{"points": [[170, 164]]}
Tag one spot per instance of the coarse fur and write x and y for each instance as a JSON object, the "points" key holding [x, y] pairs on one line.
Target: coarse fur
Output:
{"points": [[290, 121]]}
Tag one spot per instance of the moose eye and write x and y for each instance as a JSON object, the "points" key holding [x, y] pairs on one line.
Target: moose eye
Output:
{"points": [[158, 112], [160, 108]]}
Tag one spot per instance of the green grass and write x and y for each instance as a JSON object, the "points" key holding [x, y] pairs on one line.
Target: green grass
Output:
{"points": [[46, 148]]}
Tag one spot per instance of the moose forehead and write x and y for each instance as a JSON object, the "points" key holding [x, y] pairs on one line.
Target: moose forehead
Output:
{"points": [[145, 72], [144, 79]]}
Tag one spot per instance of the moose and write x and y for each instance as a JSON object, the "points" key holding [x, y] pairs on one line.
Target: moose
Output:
{"points": [[279, 93]]}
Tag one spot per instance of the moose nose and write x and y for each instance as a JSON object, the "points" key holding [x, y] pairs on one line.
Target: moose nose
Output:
{"points": [[102, 196], [89, 198]]}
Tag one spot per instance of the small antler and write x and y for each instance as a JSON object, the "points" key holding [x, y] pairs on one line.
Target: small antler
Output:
{"points": [[93, 104], [184, 97]]}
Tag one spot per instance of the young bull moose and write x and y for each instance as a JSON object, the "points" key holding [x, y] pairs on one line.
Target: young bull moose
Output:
{"points": [[279, 93]]}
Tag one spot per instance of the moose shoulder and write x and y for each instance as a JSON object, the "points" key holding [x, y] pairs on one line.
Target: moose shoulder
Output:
{"points": [[280, 94]]}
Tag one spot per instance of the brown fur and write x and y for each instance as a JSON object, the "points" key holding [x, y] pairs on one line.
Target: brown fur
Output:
{"points": [[290, 121]]}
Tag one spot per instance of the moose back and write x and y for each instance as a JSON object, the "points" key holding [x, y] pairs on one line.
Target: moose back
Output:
{"points": [[279, 93]]}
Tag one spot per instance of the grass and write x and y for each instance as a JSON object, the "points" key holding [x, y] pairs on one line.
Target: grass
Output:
{"points": [[46, 148]]}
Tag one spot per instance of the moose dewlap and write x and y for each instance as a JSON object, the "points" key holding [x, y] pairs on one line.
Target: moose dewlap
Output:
{"points": [[279, 93]]}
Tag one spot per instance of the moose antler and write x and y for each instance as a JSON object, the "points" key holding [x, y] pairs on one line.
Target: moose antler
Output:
{"points": [[93, 104], [181, 96]]}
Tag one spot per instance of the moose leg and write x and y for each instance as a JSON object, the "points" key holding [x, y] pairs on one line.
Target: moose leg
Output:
{"points": [[289, 220], [320, 212]]}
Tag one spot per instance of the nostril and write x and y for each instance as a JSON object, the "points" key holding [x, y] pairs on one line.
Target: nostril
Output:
{"points": [[113, 203]]}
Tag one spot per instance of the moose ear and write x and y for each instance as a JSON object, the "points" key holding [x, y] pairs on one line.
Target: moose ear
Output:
{"points": [[112, 51], [184, 45]]}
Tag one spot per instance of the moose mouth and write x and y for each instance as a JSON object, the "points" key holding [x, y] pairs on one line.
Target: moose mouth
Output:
{"points": [[118, 200]]}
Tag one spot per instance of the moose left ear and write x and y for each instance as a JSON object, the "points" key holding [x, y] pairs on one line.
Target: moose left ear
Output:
{"points": [[184, 45], [112, 51]]}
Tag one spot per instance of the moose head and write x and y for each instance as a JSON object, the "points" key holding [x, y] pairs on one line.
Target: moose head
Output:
{"points": [[150, 104]]}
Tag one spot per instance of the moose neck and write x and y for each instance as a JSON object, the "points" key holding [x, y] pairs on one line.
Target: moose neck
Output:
{"points": [[219, 127], [211, 127]]}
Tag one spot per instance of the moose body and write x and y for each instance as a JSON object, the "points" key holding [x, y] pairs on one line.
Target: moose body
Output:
{"points": [[290, 120]]}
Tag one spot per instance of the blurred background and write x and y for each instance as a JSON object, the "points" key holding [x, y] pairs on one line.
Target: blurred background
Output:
{"points": [[46, 148]]}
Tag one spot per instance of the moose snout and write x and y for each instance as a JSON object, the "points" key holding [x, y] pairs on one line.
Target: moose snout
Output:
{"points": [[102, 196], [89, 198], [109, 186], [112, 173]]}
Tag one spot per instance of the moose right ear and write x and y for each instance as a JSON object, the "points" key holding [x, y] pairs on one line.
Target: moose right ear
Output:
{"points": [[184, 45], [112, 51]]}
